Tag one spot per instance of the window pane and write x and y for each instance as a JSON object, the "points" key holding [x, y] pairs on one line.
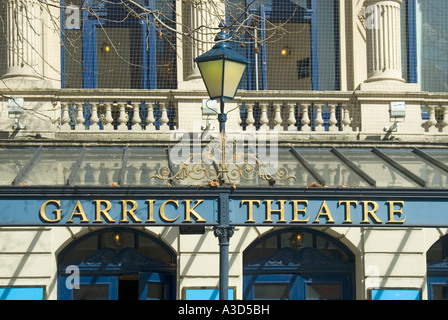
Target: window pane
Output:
{"points": [[91, 292], [439, 292], [83, 249], [119, 57], [277, 291], [156, 291], [432, 44], [323, 291]]}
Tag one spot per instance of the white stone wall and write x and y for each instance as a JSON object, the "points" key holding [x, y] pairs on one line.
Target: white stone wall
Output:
{"points": [[385, 257]]}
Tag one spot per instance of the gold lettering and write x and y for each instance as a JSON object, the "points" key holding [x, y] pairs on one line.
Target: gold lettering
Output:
{"points": [[162, 210], [367, 212], [392, 212], [250, 211], [150, 210], [280, 211], [78, 210], [326, 214], [348, 204], [301, 211], [189, 211], [43, 215], [131, 211], [104, 212]]}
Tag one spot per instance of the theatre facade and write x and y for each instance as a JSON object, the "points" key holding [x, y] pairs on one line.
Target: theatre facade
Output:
{"points": [[330, 182]]}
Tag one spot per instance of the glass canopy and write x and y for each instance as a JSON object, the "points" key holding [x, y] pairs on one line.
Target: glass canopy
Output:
{"points": [[289, 167]]}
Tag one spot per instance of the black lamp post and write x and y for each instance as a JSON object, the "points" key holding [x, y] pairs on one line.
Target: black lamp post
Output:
{"points": [[222, 69]]}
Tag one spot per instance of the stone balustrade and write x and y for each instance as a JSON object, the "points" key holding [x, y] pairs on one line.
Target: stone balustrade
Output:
{"points": [[349, 115]]}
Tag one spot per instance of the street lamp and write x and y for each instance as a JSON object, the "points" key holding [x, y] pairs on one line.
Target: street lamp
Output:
{"points": [[222, 69]]}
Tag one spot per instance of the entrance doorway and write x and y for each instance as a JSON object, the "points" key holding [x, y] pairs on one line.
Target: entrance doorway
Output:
{"points": [[116, 264], [298, 264]]}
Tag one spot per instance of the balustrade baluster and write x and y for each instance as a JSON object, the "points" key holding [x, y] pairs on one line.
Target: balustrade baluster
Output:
{"points": [[108, 119], [278, 117], [136, 121], [79, 116], [346, 121], [445, 118], [332, 121], [305, 118], [164, 118], [319, 121], [150, 118], [431, 123], [123, 118], [264, 121], [292, 117], [65, 119], [250, 117], [94, 119]]}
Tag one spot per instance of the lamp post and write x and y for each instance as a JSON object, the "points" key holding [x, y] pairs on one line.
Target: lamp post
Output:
{"points": [[221, 69]]}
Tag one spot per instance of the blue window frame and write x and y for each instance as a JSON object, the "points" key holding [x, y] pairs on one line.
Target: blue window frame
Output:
{"points": [[298, 264], [303, 56], [118, 46]]}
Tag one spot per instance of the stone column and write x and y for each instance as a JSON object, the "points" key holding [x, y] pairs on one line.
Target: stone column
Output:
{"points": [[383, 37], [383, 40], [24, 35], [202, 22]]}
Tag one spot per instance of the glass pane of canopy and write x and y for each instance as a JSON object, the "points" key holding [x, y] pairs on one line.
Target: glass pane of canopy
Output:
{"points": [[385, 175], [289, 167], [434, 177], [12, 160], [334, 172]]}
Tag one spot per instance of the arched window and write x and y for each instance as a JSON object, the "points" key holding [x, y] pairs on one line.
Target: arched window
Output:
{"points": [[298, 264], [292, 44], [118, 44], [437, 270], [114, 264]]}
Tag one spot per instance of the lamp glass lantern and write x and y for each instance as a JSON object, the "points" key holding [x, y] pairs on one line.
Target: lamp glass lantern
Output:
{"points": [[222, 69]]}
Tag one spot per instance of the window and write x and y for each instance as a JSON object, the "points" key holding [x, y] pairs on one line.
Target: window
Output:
{"points": [[427, 43], [292, 45], [118, 45], [437, 270]]}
